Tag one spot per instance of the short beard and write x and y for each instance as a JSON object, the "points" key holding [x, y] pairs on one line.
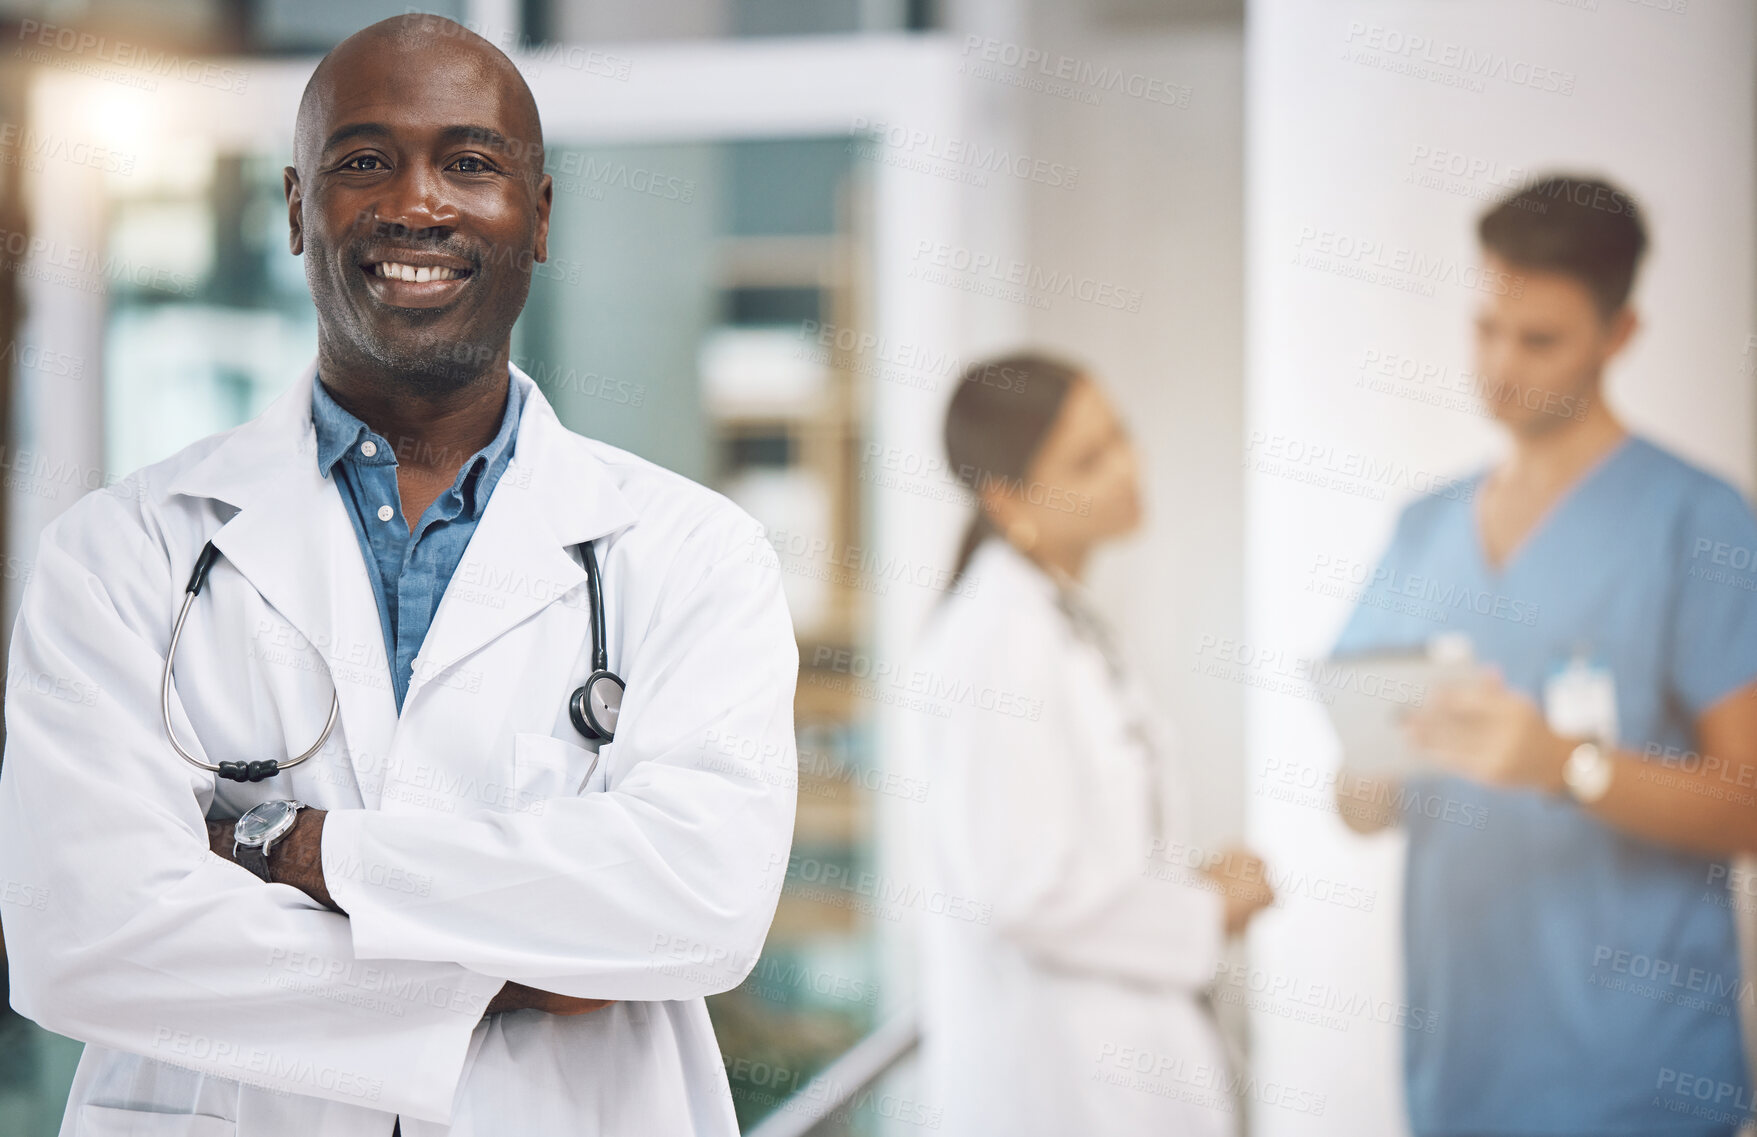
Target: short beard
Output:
{"points": [[432, 371], [437, 373]]}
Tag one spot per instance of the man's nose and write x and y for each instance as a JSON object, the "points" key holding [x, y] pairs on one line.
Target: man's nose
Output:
{"points": [[415, 200]]}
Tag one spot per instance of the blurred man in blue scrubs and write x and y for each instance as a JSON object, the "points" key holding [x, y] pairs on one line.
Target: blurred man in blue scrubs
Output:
{"points": [[1578, 949]]}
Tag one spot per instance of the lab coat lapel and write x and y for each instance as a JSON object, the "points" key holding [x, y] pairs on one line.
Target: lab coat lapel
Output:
{"points": [[555, 494], [293, 541]]}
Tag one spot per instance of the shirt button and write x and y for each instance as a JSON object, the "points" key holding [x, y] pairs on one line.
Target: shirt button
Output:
{"points": [[385, 513], [369, 448]]}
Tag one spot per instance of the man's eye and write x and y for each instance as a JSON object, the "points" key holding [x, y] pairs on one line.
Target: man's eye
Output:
{"points": [[354, 163], [470, 164]]}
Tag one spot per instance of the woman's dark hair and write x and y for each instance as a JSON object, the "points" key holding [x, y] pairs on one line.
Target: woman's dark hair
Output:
{"points": [[999, 415]]}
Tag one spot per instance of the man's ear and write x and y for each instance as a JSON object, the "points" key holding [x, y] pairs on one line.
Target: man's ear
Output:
{"points": [[545, 199], [1623, 326], [295, 226]]}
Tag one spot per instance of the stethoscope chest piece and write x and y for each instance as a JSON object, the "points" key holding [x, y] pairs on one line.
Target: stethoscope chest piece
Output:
{"points": [[595, 706]]}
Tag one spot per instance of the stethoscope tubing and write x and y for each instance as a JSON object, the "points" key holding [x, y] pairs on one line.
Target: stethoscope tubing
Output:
{"points": [[196, 579], [256, 771]]}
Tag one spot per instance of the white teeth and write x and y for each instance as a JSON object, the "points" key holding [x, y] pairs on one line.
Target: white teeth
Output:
{"points": [[391, 270]]}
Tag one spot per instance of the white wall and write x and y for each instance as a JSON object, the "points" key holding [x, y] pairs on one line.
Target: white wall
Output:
{"points": [[1159, 207], [1338, 130]]}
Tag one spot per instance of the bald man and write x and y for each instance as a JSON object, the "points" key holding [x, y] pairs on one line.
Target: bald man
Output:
{"points": [[489, 899]]}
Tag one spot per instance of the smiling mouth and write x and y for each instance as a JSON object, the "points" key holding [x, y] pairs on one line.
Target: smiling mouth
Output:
{"points": [[405, 285], [416, 274]]}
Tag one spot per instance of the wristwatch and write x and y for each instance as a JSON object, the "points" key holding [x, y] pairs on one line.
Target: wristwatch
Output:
{"points": [[261, 826], [1587, 773]]}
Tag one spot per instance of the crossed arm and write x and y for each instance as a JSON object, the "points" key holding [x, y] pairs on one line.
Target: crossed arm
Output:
{"points": [[135, 936], [297, 860]]}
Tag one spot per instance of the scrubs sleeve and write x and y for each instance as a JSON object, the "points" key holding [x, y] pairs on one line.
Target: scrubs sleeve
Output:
{"points": [[1375, 622], [1713, 646], [1037, 841], [660, 886], [125, 930]]}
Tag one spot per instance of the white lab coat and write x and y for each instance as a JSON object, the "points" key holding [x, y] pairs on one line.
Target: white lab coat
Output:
{"points": [[1059, 991], [460, 842]]}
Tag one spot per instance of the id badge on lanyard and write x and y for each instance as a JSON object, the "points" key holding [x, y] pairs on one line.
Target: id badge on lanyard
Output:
{"points": [[1580, 699]]}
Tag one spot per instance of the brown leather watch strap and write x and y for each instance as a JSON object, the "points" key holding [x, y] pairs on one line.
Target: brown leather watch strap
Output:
{"points": [[253, 858]]}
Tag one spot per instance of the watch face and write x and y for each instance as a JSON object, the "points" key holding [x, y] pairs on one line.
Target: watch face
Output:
{"points": [[265, 822]]}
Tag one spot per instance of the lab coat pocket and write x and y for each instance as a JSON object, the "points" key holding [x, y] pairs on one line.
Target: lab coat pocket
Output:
{"points": [[110, 1121], [546, 767]]}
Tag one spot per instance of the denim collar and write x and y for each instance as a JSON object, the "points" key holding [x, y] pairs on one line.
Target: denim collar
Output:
{"points": [[340, 433]]}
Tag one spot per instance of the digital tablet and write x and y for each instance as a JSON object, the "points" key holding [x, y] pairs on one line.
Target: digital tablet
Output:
{"points": [[1368, 697]]}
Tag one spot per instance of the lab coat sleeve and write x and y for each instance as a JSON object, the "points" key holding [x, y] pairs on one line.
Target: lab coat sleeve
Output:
{"points": [[125, 929], [1063, 853], [660, 886]]}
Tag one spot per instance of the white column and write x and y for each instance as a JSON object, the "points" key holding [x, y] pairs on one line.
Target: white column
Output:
{"points": [[1377, 135]]}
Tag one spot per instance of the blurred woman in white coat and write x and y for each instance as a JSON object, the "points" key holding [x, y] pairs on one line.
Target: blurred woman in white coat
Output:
{"points": [[1063, 988]]}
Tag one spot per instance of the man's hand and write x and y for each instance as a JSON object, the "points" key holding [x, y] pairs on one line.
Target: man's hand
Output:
{"points": [[1240, 875], [296, 859], [518, 997], [1492, 735]]}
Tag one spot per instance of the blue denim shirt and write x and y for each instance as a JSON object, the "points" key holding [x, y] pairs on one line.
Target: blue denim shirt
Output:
{"points": [[409, 571]]}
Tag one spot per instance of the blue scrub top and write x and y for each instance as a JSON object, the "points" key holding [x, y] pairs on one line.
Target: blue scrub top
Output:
{"points": [[1583, 981]]}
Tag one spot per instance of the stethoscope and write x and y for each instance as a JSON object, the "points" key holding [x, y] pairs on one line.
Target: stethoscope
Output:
{"points": [[593, 708]]}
